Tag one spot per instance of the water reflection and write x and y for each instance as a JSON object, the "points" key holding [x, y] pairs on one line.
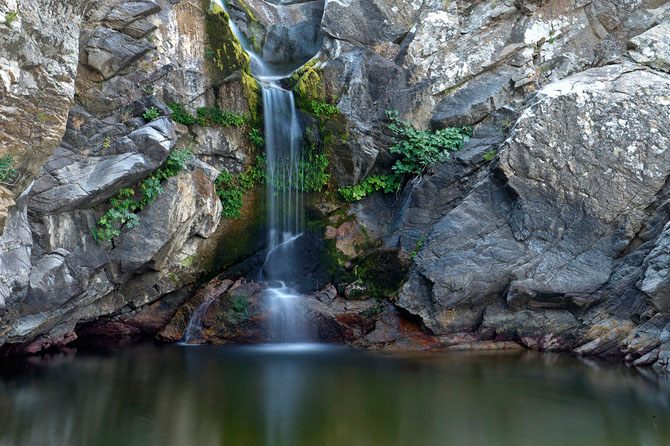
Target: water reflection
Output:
{"points": [[315, 395]]}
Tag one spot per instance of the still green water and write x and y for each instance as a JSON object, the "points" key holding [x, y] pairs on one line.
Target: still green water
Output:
{"points": [[316, 395]]}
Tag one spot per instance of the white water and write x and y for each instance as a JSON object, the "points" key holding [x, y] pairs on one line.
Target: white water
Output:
{"points": [[285, 217], [194, 330]]}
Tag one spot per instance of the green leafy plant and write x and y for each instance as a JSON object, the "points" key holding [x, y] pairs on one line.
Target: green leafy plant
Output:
{"points": [[10, 17], [373, 311], [372, 184], [180, 114], [107, 142], [420, 150], [148, 89], [211, 117], [323, 110], [151, 114], [125, 206], [7, 172], [231, 189], [419, 245], [310, 175], [256, 138], [488, 156]]}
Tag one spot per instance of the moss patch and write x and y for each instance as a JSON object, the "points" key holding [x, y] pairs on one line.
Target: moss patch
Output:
{"points": [[307, 84], [227, 55], [252, 92]]}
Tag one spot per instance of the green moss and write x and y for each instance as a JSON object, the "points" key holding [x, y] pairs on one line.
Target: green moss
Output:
{"points": [[228, 55], [309, 87], [188, 261], [252, 91], [382, 271], [254, 27]]}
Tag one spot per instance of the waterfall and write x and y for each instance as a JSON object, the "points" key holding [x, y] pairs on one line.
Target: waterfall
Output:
{"points": [[285, 208], [194, 329], [285, 218]]}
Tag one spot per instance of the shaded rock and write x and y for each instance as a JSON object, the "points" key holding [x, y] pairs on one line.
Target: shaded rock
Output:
{"points": [[174, 330]]}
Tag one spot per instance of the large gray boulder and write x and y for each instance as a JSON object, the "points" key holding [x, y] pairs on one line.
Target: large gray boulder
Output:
{"points": [[570, 193]]}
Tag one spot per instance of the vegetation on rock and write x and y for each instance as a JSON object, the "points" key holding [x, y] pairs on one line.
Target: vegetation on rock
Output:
{"points": [[231, 188], [151, 114], [227, 55], [419, 150], [215, 117], [311, 176], [7, 172], [124, 207]]}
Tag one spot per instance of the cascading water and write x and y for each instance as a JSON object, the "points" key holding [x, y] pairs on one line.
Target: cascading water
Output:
{"points": [[194, 329], [285, 216]]}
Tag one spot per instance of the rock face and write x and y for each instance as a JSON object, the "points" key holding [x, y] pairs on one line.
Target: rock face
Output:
{"points": [[133, 57], [38, 65], [281, 32], [559, 243], [240, 313], [550, 229], [563, 209]]}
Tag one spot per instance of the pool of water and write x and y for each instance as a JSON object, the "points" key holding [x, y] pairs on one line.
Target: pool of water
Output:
{"points": [[317, 395]]}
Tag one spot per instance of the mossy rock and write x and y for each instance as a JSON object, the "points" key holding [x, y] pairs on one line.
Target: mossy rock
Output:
{"points": [[381, 272], [255, 27], [227, 54], [254, 96], [308, 86]]}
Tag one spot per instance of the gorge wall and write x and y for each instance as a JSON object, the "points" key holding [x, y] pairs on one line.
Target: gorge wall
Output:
{"points": [[549, 229]]}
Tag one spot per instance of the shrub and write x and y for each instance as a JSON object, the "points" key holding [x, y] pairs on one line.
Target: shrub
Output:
{"points": [[256, 138], [211, 117], [180, 114], [418, 150], [231, 189], [151, 114], [323, 110], [373, 183]]}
